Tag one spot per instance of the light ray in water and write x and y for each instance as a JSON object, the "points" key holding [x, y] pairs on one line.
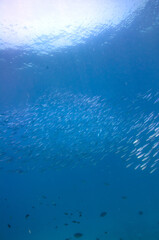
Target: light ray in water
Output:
{"points": [[64, 129]]}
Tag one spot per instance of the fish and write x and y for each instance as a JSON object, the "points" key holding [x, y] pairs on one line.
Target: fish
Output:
{"points": [[78, 235], [9, 226], [69, 129], [103, 214], [27, 215]]}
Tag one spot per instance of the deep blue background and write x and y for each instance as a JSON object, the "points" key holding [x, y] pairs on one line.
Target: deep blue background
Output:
{"points": [[126, 66]]}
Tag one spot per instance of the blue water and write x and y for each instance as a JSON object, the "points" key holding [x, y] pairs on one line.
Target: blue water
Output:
{"points": [[79, 137]]}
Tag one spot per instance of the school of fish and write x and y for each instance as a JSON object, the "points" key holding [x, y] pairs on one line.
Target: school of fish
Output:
{"points": [[63, 129]]}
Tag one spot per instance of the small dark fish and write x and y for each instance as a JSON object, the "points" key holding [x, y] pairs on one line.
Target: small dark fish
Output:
{"points": [[78, 235], [103, 214], [66, 213], [20, 171], [140, 212], [27, 215], [9, 226], [53, 204], [80, 214], [106, 184], [44, 197], [124, 197], [66, 224], [74, 221]]}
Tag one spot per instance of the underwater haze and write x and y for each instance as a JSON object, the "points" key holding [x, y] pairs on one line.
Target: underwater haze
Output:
{"points": [[79, 120]]}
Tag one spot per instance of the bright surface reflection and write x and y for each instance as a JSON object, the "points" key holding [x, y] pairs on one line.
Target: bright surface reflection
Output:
{"points": [[51, 24]]}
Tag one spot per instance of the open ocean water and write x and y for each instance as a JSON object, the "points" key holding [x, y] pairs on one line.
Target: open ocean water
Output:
{"points": [[79, 120]]}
